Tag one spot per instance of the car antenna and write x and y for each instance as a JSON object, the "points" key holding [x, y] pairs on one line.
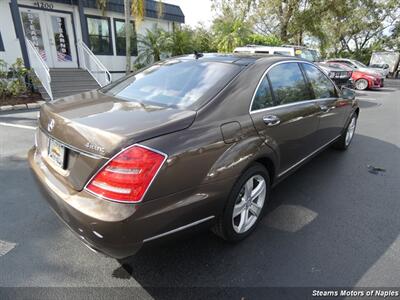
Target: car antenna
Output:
{"points": [[197, 55]]}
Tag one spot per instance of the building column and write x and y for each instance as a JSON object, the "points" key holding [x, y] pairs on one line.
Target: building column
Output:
{"points": [[82, 18], [19, 31]]}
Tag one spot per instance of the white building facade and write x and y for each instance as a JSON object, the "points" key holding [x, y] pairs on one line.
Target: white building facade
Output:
{"points": [[62, 32]]}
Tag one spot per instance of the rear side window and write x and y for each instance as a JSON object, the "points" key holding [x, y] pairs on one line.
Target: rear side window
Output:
{"points": [[321, 85], [263, 96], [286, 53], [347, 64], [288, 84]]}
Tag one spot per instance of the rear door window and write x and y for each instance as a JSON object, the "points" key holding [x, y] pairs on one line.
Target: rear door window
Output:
{"points": [[321, 85], [288, 84], [263, 97]]}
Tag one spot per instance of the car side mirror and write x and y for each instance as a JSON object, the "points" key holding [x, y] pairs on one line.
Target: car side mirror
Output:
{"points": [[348, 94]]}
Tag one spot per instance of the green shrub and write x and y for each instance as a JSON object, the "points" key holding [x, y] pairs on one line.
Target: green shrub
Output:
{"points": [[15, 80]]}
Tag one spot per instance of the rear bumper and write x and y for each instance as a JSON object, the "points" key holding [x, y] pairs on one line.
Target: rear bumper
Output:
{"points": [[99, 231], [348, 82], [118, 229]]}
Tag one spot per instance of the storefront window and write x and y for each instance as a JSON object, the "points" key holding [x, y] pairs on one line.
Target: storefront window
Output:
{"points": [[99, 35], [119, 26]]}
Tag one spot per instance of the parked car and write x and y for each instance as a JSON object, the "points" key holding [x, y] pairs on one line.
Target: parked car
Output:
{"points": [[287, 50], [362, 80], [386, 60], [359, 66], [383, 67], [341, 77], [187, 141]]}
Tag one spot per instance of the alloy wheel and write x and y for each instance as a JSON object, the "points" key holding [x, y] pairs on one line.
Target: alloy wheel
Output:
{"points": [[361, 84], [249, 204], [350, 131]]}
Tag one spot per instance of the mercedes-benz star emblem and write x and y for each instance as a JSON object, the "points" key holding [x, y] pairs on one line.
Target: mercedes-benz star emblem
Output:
{"points": [[51, 124]]}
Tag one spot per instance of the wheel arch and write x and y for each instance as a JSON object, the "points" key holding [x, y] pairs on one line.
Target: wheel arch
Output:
{"points": [[268, 163]]}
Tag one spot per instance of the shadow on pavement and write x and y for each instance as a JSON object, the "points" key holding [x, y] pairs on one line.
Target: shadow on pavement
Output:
{"points": [[355, 222], [367, 104], [327, 226]]}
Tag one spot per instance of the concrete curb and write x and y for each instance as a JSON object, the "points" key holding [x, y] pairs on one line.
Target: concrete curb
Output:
{"points": [[34, 105]]}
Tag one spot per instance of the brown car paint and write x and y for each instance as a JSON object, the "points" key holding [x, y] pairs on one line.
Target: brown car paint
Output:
{"points": [[208, 147]]}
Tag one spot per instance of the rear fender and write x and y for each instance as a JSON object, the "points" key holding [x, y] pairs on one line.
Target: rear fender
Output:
{"points": [[238, 157]]}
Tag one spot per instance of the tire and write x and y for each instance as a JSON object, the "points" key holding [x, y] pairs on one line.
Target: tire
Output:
{"points": [[361, 84], [234, 229], [347, 136]]}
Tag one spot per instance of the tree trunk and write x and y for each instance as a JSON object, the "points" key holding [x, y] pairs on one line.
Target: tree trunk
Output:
{"points": [[128, 33]]}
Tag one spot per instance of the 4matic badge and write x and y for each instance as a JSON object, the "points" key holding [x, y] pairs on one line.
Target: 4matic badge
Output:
{"points": [[95, 147]]}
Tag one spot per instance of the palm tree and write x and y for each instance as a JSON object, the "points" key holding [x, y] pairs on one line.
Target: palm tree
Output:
{"points": [[137, 11], [152, 44]]}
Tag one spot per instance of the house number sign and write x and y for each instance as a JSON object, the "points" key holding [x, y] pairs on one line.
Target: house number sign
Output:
{"points": [[45, 5]]}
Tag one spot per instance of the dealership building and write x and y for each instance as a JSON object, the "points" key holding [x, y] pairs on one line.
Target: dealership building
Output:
{"points": [[72, 39]]}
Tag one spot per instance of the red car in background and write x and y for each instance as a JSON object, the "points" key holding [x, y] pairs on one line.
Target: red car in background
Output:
{"points": [[362, 80]]}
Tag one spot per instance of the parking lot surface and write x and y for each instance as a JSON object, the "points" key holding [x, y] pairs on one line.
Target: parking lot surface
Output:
{"points": [[334, 223]]}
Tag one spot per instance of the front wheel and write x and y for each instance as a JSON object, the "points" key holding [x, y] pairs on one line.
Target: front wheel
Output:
{"points": [[347, 136], [245, 205]]}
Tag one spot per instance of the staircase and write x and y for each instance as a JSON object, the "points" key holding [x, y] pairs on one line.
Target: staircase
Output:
{"points": [[67, 82]]}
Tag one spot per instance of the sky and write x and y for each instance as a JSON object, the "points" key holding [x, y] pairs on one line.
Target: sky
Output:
{"points": [[194, 10]]}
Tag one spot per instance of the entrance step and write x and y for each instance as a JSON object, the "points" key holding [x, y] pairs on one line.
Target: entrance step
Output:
{"points": [[66, 82]]}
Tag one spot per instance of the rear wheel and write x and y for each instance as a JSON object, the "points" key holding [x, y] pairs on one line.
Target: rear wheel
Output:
{"points": [[347, 136], [361, 84], [245, 205]]}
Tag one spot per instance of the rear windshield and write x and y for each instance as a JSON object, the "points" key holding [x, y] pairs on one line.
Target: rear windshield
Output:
{"points": [[175, 83]]}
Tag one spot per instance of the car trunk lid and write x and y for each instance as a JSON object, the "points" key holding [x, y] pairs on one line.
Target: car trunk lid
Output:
{"points": [[93, 127]]}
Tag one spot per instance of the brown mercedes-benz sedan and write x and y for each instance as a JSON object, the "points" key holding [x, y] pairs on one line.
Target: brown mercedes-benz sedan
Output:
{"points": [[190, 140]]}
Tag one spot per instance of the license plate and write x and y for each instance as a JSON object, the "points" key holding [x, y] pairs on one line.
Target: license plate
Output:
{"points": [[56, 152]]}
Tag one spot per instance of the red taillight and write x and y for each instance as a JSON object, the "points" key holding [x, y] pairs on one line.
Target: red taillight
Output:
{"points": [[127, 176]]}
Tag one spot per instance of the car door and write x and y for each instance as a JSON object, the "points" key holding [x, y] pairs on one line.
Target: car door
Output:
{"points": [[333, 109], [283, 114]]}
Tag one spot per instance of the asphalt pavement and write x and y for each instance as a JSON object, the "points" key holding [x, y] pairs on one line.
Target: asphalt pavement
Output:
{"points": [[334, 223]]}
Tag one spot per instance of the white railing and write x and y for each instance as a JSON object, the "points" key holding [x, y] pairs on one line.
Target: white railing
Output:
{"points": [[39, 67], [92, 64]]}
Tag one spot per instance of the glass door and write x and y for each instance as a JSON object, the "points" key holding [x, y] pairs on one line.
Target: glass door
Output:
{"points": [[61, 39], [52, 35], [34, 26]]}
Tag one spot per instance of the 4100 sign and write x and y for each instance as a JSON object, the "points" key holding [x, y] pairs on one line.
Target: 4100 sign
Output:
{"points": [[44, 5]]}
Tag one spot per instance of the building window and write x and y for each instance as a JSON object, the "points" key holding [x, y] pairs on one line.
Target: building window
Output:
{"points": [[99, 35], [119, 27], [1, 44]]}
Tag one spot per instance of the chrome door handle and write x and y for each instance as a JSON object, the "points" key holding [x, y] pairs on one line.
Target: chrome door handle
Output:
{"points": [[271, 120], [325, 108]]}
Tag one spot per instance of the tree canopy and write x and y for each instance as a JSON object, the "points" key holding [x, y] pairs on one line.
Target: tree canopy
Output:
{"points": [[344, 28]]}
